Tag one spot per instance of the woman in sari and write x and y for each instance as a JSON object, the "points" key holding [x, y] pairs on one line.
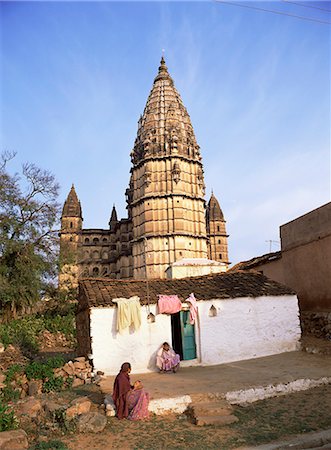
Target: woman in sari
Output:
{"points": [[166, 359], [121, 387], [137, 400]]}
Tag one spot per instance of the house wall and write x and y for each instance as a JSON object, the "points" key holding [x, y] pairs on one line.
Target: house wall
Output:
{"points": [[110, 349], [194, 270], [247, 328], [273, 270], [244, 328], [306, 258]]}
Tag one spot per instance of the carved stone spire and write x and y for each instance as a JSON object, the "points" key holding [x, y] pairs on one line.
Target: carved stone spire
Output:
{"points": [[72, 207], [166, 193], [165, 127], [113, 219], [214, 211], [216, 232]]}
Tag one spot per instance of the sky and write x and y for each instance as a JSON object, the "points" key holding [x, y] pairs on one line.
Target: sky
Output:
{"points": [[75, 77]]}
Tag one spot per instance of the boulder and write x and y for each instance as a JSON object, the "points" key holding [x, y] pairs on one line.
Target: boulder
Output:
{"points": [[78, 406], [35, 387], [77, 382], [50, 407], [92, 422], [13, 440], [69, 368], [2, 380], [31, 407], [79, 365], [80, 359]]}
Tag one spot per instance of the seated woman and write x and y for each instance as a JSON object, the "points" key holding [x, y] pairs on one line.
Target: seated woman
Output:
{"points": [[137, 400], [121, 387], [166, 359]]}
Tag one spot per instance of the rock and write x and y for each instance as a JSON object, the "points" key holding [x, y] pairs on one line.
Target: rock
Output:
{"points": [[69, 368], [79, 365], [2, 347], [216, 420], [35, 387], [31, 407], [92, 422], [13, 440], [80, 359], [2, 380], [77, 382], [78, 406], [60, 373], [50, 407]]}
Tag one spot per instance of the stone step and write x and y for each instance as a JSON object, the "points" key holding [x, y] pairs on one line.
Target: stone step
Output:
{"points": [[220, 408], [215, 420]]}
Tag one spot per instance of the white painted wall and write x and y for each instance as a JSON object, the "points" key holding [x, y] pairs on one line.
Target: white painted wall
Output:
{"points": [[110, 349], [246, 328]]}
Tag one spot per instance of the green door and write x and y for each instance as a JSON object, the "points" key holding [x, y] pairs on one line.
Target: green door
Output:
{"points": [[188, 336]]}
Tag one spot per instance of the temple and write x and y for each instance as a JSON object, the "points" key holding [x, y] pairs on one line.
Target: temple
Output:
{"points": [[168, 218]]}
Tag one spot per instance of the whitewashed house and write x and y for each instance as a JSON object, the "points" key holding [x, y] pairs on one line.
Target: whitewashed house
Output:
{"points": [[241, 315]]}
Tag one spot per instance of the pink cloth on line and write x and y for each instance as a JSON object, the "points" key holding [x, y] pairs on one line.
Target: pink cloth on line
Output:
{"points": [[169, 304], [193, 308]]}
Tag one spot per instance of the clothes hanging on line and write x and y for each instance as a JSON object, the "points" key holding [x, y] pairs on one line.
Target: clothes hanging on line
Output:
{"points": [[128, 313], [193, 308], [169, 304]]}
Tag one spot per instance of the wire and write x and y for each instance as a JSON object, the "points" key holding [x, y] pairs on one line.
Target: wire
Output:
{"points": [[307, 6], [273, 11]]}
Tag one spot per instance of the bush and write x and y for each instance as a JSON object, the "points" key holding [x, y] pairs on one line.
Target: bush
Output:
{"points": [[8, 420], [24, 332], [50, 445], [44, 371]]}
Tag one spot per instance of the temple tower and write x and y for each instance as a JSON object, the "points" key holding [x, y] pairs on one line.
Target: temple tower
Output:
{"points": [[70, 240], [217, 237], [166, 192]]}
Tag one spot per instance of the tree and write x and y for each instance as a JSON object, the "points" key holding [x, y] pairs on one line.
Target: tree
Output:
{"points": [[29, 212]]}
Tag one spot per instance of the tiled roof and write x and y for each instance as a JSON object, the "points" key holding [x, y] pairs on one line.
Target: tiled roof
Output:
{"points": [[101, 291], [256, 262]]}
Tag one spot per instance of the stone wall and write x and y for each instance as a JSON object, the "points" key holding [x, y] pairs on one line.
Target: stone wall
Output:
{"points": [[316, 323]]}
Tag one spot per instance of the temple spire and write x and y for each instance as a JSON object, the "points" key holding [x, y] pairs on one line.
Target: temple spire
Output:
{"points": [[72, 207]]}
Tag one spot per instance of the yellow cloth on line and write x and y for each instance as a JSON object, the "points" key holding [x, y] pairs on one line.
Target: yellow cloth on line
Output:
{"points": [[128, 313]]}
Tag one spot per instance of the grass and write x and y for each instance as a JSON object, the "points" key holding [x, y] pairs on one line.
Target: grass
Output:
{"points": [[259, 423]]}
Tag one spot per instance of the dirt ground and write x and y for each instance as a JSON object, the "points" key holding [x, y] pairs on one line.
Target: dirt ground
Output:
{"points": [[261, 422]]}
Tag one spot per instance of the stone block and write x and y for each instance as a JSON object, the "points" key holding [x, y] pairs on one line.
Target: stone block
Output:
{"points": [[50, 407], [80, 365], [31, 407], [78, 406], [80, 359], [35, 387], [13, 440], [92, 422], [77, 382], [69, 368]]}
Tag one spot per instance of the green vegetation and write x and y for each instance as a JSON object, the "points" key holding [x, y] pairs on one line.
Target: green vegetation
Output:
{"points": [[24, 332], [50, 445], [8, 420], [28, 216]]}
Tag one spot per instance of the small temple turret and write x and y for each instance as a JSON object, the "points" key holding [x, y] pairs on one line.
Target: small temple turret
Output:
{"points": [[113, 219], [216, 232], [70, 240]]}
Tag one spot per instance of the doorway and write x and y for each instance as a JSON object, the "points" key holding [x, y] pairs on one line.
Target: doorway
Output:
{"points": [[183, 335]]}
